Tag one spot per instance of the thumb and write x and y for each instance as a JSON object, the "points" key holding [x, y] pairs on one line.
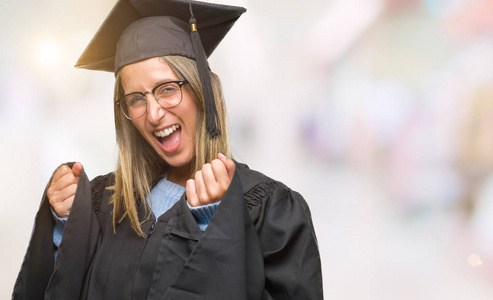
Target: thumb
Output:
{"points": [[230, 164], [77, 169]]}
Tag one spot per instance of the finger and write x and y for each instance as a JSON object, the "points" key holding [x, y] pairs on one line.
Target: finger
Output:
{"points": [[201, 189], [77, 169], [58, 196], [192, 197], [60, 172], [229, 163], [220, 173], [57, 190], [208, 175], [68, 192], [62, 209], [215, 179], [64, 181]]}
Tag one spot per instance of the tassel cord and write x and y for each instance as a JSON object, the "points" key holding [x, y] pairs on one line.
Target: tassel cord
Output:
{"points": [[211, 115]]}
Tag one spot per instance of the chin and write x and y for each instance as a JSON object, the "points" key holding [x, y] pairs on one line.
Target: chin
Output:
{"points": [[177, 162]]}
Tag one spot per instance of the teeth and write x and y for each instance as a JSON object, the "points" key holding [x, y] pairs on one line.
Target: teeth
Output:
{"points": [[166, 131]]}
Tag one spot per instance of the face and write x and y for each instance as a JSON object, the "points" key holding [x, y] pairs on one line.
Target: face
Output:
{"points": [[170, 131]]}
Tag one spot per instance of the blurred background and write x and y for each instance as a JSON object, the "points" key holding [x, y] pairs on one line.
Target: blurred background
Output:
{"points": [[379, 112]]}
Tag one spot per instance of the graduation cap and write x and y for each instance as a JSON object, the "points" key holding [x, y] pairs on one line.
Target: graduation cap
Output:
{"points": [[139, 29]]}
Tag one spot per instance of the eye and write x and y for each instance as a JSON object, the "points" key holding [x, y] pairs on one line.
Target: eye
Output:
{"points": [[135, 100], [167, 89]]}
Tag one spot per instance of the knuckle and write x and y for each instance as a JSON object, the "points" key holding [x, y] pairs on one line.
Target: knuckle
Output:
{"points": [[70, 177], [206, 167], [203, 196], [215, 196], [219, 165], [216, 192], [70, 200], [52, 198], [63, 169]]}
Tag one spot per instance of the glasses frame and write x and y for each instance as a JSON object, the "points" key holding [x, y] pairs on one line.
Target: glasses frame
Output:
{"points": [[180, 83]]}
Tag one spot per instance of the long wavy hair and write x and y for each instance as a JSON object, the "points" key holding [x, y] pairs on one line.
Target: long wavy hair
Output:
{"points": [[139, 166]]}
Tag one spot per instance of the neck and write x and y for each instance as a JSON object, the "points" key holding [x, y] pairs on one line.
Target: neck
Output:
{"points": [[179, 175]]}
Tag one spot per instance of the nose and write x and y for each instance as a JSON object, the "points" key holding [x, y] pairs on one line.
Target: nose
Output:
{"points": [[155, 112]]}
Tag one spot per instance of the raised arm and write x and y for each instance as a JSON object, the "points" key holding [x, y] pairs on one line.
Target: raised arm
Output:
{"points": [[61, 190]]}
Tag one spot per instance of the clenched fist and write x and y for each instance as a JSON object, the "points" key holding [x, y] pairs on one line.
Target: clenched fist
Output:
{"points": [[210, 184], [62, 189]]}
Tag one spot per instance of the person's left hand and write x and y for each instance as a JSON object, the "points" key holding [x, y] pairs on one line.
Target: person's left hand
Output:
{"points": [[210, 184]]}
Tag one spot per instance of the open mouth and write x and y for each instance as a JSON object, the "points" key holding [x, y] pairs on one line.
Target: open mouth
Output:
{"points": [[169, 138]]}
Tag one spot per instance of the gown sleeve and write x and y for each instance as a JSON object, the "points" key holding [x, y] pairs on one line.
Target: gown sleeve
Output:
{"points": [[290, 249], [203, 214], [40, 276], [38, 263]]}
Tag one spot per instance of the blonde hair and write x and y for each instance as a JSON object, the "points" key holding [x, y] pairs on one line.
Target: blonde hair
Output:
{"points": [[139, 166]]}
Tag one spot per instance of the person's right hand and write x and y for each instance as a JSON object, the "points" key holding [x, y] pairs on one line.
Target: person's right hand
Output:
{"points": [[62, 188]]}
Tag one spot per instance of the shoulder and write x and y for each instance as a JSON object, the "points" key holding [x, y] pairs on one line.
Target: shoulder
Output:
{"points": [[102, 181], [271, 203], [259, 189], [100, 191]]}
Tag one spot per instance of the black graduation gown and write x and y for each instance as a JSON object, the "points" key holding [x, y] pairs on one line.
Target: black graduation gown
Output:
{"points": [[260, 244]]}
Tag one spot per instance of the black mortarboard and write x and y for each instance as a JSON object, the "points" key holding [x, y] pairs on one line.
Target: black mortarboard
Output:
{"points": [[139, 29]]}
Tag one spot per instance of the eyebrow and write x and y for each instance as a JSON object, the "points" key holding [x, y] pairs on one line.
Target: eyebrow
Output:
{"points": [[164, 81], [158, 83]]}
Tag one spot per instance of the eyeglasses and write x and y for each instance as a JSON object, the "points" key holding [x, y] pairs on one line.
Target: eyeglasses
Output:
{"points": [[168, 94]]}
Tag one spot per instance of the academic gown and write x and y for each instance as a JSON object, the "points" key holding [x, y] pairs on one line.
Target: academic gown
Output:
{"points": [[260, 244]]}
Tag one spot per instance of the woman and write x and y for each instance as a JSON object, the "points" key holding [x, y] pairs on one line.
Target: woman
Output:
{"points": [[178, 219]]}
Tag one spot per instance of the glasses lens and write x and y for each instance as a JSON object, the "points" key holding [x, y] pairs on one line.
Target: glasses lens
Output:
{"points": [[168, 94], [134, 106]]}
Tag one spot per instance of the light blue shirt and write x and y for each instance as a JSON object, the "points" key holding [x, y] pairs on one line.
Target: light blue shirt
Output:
{"points": [[164, 195]]}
